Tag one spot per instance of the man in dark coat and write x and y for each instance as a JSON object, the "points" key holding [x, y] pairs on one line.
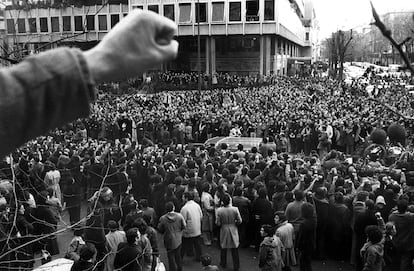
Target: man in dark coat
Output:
{"points": [[361, 222], [306, 238], [46, 223], [94, 176], [322, 213], [85, 263], [262, 213], [404, 239], [243, 204], [340, 229], [129, 254]]}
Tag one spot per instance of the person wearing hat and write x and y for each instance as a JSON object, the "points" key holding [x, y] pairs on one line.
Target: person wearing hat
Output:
{"points": [[380, 207], [110, 210]]}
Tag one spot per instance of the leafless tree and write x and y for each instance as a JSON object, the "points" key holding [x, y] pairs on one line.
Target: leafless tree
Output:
{"points": [[399, 46], [337, 47]]}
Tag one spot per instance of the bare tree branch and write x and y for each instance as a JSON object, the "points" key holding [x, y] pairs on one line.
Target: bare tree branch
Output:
{"points": [[12, 61], [387, 34], [348, 42], [405, 41], [62, 39]]}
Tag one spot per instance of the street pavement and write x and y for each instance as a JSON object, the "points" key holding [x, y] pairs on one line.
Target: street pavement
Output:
{"points": [[248, 256]]}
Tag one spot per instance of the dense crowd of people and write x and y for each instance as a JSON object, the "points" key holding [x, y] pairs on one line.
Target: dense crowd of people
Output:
{"points": [[172, 81], [308, 192]]}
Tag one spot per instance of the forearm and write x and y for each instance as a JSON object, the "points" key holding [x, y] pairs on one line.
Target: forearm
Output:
{"points": [[41, 93], [99, 70]]}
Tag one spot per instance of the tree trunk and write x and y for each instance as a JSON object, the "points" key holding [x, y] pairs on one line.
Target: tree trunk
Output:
{"points": [[393, 55], [341, 68]]}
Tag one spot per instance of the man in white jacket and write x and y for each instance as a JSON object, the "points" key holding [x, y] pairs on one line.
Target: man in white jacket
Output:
{"points": [[193, 215]]}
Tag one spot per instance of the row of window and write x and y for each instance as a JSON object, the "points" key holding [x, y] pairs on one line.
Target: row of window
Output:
{"points": [[64, 23], [217, 14], [82, 23]]}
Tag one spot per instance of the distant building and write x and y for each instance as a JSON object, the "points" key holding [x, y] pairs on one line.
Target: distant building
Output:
{"points": [[236, 36], [3, 5], [400, 23]]}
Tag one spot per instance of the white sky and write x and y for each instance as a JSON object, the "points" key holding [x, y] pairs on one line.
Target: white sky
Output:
{"points": [[346, 14]]}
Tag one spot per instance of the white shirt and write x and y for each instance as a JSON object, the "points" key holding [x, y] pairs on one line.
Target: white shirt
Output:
{"points": [[192, 214], [207, 201]]}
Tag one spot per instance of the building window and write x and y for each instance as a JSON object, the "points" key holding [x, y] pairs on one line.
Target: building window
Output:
{"points": [[201, 9], [114, 19], [32, 25], [102, 22], [269, 12], [252, 10], [135, 7], [43, 25], [55, 24], [185, 13], [218, 12], [169, 12], [125, 14], [307, 36], [21, 25], [153, 8], [10, 26], [66, 23], [90, 22], [78, 23], [235, 12]]}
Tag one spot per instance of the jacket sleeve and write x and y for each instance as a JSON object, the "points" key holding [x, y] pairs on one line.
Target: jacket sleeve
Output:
{"points": [[298, 238], [183, 224], [263, 255], [161, 227], [370, 258], [117, 260], [43, 92], [238, 217], [218, 219]]}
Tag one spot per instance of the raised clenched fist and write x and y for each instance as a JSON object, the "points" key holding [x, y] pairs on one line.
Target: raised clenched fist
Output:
{"points": [[140, 41]]}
